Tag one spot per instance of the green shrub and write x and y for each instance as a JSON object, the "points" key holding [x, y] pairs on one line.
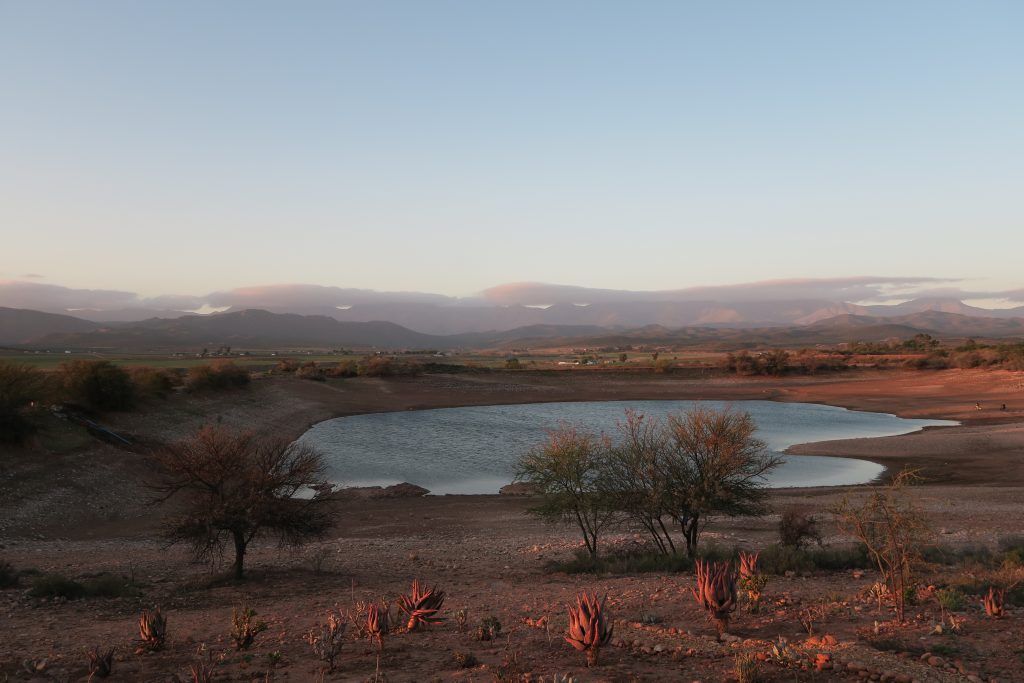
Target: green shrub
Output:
{"points": [[950, 599], [216, 376], [155, 382], [97, 385], [20, 387], [8, 575], [622, 563], [56, 586], [101, 586], [778, 559], [109, 586], [381, 366], [311, 371], [345, 368]]}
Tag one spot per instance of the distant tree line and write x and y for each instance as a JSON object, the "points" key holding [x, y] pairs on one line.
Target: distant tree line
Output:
{"points": [[97, 386]]}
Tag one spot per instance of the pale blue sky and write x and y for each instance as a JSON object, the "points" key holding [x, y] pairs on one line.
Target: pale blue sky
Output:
{"points": [[185, 147]]}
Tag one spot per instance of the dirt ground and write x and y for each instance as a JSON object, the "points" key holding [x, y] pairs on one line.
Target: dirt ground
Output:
{"points": [[83, 510]]}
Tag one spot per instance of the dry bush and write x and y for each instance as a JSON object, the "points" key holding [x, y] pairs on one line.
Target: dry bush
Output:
{"points": [[245, 627], [797, 528], [892, 529], [345, 368], [311, 371], [326, 639]]}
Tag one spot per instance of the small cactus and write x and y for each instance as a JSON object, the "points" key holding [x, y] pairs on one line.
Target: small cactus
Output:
{"points": [[716, 591], [994, 602], [101, 662], [377, 623], [152, 630], [421, 605], [588, 628]]}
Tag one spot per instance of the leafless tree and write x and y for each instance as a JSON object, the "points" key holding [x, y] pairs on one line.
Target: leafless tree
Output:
{"points": [[235, 485], [892, 529]]}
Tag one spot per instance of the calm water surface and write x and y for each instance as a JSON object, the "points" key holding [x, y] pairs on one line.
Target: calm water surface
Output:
{"points": [[475, 449]]}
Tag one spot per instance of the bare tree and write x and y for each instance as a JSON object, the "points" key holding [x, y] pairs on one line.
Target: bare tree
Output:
{"points": [[892, 529], [235, 485], [566, 471]]}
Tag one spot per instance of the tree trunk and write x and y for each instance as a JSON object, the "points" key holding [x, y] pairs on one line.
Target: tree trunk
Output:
{"points": [[239, 554]]}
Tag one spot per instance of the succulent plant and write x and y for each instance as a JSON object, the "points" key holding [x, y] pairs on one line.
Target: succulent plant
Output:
{"points": [[377, 623], [421, 605], [327, 639], [748, 564], [245, 627], [588, 628], [489, 629], [751, 580], [152, 629], [994, 602], [716, 591], [101, 662]]}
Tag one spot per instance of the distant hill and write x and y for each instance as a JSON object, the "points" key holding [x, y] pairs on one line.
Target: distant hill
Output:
{"points": [[20, 326], [261, 329], [251, 328]]}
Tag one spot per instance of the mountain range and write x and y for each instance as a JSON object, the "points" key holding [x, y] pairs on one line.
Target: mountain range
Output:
{"points": [[261, 329]]}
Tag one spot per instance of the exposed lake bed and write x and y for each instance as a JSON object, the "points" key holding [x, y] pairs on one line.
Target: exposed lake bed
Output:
{"points": [[474, 450]]}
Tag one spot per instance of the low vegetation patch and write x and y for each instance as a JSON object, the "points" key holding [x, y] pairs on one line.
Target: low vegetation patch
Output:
{"points": [[102, 586], [216, 376]]}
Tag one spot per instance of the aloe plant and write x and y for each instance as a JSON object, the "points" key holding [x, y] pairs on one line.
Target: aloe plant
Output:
{"points": [[152, 629], [716, 591], [377, 623], [101, 662], [994, 602], [588, 628], [421, 605]]}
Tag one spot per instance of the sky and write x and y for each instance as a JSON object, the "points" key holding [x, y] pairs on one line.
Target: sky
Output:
{"points": [[191, 147]]}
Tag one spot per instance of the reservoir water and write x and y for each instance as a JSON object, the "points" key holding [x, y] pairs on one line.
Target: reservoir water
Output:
{"points": [[474, 450]]}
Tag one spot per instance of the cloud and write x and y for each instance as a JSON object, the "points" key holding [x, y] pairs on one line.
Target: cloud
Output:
{"points": [[297, 296], [33, 276], [308, 298], [55, 298], [825, 289]]}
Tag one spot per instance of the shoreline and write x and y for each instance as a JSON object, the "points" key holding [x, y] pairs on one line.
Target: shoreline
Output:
{"points": [[484, 483]]}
